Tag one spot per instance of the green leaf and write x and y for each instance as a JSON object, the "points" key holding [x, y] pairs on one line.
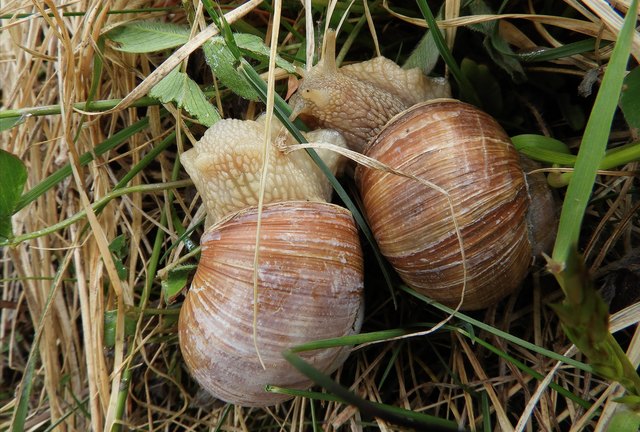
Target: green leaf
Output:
{"points": [[221, 61], [118, 248], [254, 44], [424, 56], [497, 48], [625, 421], [543, 149], [110, 320], [467, 92], [630, 99], [176, 282], [179, 88], [148, 36], [563, 51], [550, 150], [8, 123], [526, 141], [14, 177], [621, 155]]}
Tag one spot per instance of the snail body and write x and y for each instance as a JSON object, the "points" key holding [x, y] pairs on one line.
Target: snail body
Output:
{"points": [[358, 99], [310, 286], [226, 163]]}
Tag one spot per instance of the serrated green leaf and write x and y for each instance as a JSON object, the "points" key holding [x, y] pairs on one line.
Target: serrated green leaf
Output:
{"points": [[630, 99], [148, 36], [175, 282], [221, 61], [9, 122], [255, 45], [179, 88], [14, 177]]}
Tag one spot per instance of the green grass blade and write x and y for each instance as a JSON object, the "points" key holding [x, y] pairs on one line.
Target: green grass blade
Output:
{"points": [[499, 333], [523, 367], [567, 50], [23, 393], [594, 143], [370, 409], [385, 335], [64, 172], [95, 206], [467, 92]]}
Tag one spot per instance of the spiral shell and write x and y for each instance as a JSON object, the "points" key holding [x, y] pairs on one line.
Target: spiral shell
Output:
{"points": [[310, 286], [466, 152]]}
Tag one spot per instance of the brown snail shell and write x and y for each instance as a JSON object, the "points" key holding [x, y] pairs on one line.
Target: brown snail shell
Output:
{"points": [[310, 286], [466, 152]]}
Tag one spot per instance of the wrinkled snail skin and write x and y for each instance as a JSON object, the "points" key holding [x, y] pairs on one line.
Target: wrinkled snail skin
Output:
{"points": [[225, 166], [357, 100], [465, 152], [310, 286]]}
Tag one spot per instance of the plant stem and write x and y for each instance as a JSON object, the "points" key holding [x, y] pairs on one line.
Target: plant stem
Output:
{"points": [[95, 206]]}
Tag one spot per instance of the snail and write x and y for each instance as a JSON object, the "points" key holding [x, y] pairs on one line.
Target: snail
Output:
{"points": [[465, 152], [453, 145], [310, 286], [309, 269]]}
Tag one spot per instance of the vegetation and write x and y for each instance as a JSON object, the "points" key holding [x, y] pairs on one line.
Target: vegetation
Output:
{"points": [[99, 225]]}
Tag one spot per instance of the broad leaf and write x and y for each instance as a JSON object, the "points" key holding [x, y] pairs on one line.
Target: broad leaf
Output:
{"points": [[254, 44], [14, 176], [221, 61], [9, 122], [179, 88], [630, 99], [148, 36], [176, 282], [625, 421]]}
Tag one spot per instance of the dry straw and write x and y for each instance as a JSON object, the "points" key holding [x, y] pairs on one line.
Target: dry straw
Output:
{"points": [[58, 288]]}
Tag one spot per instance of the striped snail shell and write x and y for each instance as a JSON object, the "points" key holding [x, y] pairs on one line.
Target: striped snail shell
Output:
{"points": [[310, 286], [465, 152]]}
